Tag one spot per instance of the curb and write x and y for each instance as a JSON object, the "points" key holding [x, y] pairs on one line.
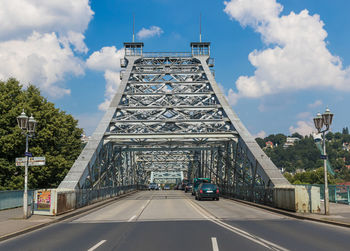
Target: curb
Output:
{"points": [[63, 217], [290, 214]]}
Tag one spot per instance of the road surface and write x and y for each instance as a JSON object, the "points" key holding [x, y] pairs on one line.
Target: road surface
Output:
{"points": [[173, 220]]}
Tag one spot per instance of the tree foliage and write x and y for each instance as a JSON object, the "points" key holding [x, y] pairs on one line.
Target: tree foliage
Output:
{"points": [[302, 162], [309, 177], [57, 138]]}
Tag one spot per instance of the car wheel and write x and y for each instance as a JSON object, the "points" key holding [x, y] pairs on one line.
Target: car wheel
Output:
{"points": [[217, 198]]}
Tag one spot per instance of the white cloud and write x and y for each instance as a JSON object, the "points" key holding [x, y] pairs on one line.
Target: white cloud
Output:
{"points": [[261, 134], [297, 57], [151, 32], [315, 104], [18, 18], [303, 128], [232, 97], [89, 121], [36, 37], [108, 61], [39, 60]]}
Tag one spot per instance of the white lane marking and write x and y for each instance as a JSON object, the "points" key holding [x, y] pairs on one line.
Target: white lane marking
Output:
{"points": [[97, 245], [214, 243], [143, 207], [254, 238], [131, 218]]}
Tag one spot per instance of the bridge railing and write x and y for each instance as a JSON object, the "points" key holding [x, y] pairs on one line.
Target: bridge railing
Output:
{"points": [[14, 198], [166, 54], [85, 197], [59, 201], [261, 195], [337, 193]]}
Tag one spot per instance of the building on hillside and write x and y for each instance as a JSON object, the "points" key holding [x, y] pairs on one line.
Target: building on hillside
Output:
{"points": [[269, 144], [85, 139], [346, 146], [317, 136], [290, 141]]}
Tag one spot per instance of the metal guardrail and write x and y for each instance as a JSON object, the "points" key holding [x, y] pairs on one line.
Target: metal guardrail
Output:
{"points": [[166, 54], [337, 193], [14, 198], [260, 195], [85, 197]]}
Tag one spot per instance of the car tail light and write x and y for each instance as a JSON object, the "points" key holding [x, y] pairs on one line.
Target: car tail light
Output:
{"points": [[201, 191], [217, 190]]}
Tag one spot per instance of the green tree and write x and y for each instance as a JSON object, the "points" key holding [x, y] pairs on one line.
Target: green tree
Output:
{"points": [[329, 136], [297, 135], [260, 142], [57, 138]]}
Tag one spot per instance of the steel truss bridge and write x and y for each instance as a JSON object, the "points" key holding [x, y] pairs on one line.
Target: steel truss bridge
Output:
{"points": [[169, 115]]}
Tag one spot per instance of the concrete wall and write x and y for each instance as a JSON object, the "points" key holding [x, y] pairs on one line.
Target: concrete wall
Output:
{"points": [[66, 201], [299, 199]]}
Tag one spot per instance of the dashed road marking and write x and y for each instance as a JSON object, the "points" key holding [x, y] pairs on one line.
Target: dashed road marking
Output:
{"points": [[254, 238], [96, 245], [214, 243]]}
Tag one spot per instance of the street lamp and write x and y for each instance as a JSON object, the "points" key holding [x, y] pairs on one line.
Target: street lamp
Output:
{"points": [[28, 128], [320, 121]]}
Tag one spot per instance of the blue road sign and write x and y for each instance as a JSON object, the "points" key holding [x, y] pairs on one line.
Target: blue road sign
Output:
{"points": [[28, 154]]}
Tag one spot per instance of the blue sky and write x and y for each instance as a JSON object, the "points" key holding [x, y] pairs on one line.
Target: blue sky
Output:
{"points": [[71, 57]]}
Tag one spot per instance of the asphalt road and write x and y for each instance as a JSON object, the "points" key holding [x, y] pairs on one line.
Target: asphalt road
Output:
{"points": [[173, 220]]}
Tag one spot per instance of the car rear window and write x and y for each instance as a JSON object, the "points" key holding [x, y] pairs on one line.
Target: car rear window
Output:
{"points": [[206, 185]]}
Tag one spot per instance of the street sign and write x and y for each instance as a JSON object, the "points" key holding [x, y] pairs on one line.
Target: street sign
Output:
{"points": [[37, 161], [28, 154], [21, 161], [323, 156], [32, 161]]}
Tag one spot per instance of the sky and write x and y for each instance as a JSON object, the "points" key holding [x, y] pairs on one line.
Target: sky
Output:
{"points": [[278, 61]]}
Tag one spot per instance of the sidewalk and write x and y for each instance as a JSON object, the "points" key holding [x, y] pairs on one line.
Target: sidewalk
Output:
{"points": [[12, 223], [339, 213]]}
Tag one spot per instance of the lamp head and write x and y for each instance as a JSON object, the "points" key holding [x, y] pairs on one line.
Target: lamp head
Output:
{"points": [[31, 124], [22, 121], [327, 118], [318, 121]]}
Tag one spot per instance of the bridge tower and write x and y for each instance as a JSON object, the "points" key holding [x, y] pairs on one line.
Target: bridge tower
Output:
{"points": [[170, 115]]}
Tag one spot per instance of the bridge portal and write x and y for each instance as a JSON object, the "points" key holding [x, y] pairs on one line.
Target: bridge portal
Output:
{"points": [[169, 115]]}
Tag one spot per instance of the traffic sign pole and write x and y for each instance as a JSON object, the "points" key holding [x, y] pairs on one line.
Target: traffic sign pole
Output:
{"points": [[25, 195]]}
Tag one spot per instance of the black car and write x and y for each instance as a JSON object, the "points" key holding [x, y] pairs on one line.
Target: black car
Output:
{"points": [[207, 190], [188, 187]]}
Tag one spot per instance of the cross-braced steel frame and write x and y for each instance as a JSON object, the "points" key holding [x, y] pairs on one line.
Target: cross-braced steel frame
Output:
{"points": [[169, 115]]}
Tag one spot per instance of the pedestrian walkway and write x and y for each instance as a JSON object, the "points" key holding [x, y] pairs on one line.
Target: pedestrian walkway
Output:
{"points": [[13, 224], [338, 213], [11, 221]]}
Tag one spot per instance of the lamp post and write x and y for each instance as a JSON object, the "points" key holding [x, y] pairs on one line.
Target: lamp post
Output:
{"points": [[320, 121], [28, 128]]}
